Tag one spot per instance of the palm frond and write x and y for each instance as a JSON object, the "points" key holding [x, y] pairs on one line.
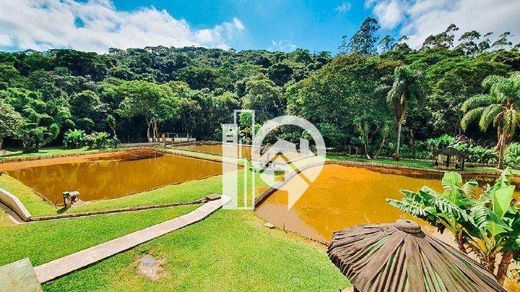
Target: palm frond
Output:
{"points": [[480, 100], [471, 116], [489, 81], [488, 116]]}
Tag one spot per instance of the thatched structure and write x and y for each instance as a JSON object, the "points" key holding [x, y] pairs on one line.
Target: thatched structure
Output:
{"points": [[449, 156], [400, 257]]}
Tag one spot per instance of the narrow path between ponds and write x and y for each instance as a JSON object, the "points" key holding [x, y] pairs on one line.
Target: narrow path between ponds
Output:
{"points": [[86, 257]]}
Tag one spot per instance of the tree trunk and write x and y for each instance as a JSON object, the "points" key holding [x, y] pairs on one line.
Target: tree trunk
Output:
{"points": [[149, 124], [503, 267], [397, 149], [501, 155], [1, 142]]}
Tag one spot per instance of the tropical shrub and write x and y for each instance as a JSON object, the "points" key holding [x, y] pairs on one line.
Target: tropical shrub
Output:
{"points": [[477, 153], [512, 155], [74, 138], [99, 140], [441, 141], [485, 225]]}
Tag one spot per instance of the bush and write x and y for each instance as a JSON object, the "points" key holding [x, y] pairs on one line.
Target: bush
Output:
{"points": [[74, 139], [441, 141], [99, 140], [512, 155], [477, 153]]}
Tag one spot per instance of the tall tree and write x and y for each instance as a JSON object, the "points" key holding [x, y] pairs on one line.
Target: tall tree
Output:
{"points": [[364, 41], [486, 43], [443, 40], [503, 41], [468, 42], [156, 103], [386, 44], [405, 88], [500, 108], [343, 47], [10, 122]]}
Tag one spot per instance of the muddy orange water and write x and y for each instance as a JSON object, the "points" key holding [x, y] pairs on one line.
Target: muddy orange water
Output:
{"points": [[213, 149], [108, 175], [341, 197]]}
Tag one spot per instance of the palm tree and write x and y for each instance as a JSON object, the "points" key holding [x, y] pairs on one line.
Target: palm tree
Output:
{"points": [[406, 87], [500, 107]]}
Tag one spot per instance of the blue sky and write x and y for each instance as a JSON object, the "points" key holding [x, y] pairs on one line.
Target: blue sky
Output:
{"points": [[315, 25], [97, 25]]}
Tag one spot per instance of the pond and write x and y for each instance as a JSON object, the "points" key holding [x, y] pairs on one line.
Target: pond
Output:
{"points": [[109, 175], [341, 197]]}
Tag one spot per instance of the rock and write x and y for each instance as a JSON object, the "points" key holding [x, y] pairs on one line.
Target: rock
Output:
{"points": [[151, 267], [269, 225], [212, 197]]}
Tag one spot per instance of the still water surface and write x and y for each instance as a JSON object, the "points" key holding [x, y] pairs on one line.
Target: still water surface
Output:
{"points": [[341, 197], [109, 175]]}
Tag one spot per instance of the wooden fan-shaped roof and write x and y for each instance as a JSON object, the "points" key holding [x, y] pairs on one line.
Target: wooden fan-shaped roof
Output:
{"points": [[400, 257]]}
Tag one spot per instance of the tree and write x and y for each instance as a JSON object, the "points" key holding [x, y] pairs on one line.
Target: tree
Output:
{"points": [[503, 41], [42, 121], [486, 224], [10, 122], [87, 110], [156, 103], [364, 40], [406, 87], [443, 40], [468, 42], [343, 47], [486, 43], [386, 44], [280, 73], [263, 96], [500, 108]]}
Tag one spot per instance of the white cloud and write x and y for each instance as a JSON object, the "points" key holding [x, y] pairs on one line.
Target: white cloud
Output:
{"points": [[96, 25], [390, 13], [420, 18], [343, 7], [282, 45]]}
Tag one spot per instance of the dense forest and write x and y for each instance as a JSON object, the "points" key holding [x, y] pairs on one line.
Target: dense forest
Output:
{"points": [[374, 90]]}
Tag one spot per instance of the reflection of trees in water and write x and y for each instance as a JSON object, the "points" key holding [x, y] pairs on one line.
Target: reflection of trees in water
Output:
{"points": [[114, 178]]}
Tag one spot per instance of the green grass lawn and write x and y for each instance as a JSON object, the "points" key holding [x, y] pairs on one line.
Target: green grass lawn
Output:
{"points": [[18, 153], [229, 251], [34, 203], [48, 240], [424, 164]]}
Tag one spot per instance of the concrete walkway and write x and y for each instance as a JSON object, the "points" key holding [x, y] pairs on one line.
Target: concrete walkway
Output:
{"points": [[81, 259]]}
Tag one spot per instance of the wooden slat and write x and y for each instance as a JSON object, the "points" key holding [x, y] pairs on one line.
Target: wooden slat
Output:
{"points": [[390, 257]]}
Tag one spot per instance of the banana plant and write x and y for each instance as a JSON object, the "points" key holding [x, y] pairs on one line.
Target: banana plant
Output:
{"points": [[484, 221]]}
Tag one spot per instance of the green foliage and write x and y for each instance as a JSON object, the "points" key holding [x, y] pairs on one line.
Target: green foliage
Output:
{"points": [[10, 122], [345, 93], [512, 155], [364, 41], [100, 140], [483, 224], [441, 141], [500, 108], [75, 139]]}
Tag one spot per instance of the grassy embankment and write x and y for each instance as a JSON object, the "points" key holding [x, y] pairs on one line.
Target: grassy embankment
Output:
{"points": [[424, 164], [231, 250]]}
